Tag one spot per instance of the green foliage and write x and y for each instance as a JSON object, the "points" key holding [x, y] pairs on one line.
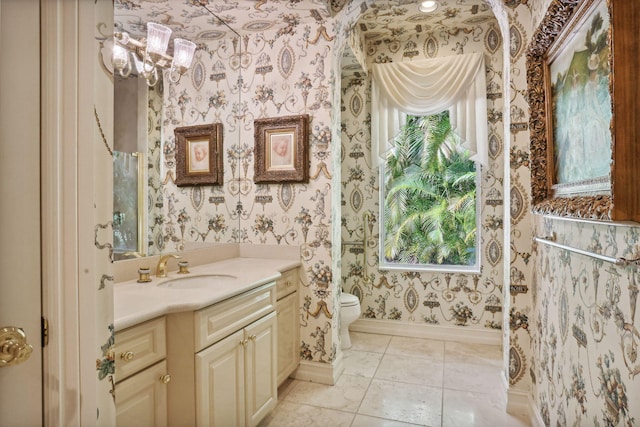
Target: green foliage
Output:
{"points": [[430, 196]]}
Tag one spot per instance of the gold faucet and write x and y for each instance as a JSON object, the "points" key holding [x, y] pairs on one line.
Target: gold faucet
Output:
{"points": [[161, 269]]}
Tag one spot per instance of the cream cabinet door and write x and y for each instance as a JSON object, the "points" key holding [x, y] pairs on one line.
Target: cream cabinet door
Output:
{"points": [[141, 400], [261, 364], [288, 333], [220, 383]]}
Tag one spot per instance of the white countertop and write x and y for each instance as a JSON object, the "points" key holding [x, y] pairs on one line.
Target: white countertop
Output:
{"points": [[137, 302]]}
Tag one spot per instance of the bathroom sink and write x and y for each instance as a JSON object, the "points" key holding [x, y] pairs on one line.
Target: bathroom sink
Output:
{"points": [[197, 281]]}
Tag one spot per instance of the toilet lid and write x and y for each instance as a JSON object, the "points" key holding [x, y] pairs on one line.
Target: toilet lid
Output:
{"points": [[348, 300]]}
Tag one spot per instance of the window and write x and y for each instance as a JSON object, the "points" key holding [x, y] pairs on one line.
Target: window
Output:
{"points": [[429, 209]]}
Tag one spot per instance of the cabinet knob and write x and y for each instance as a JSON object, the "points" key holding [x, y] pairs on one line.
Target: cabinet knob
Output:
{"points": [[287, 283], [244, 343], [165, 379], [252, 337], [127, 356]]}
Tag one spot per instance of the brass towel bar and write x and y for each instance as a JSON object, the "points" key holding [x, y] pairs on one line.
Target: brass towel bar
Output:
{"points": [[622, 262]]}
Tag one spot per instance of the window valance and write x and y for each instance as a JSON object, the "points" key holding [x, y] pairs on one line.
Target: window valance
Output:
{"points": [[426, 87]]}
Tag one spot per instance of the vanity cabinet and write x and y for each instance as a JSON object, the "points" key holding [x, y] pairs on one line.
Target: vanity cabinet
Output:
{"points": [[141, 375], [288, 324], [236, 377], [225, 361], [142, 399]]}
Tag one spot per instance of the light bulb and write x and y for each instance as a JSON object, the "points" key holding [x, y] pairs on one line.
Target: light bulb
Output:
{"points": [[428, 6], [157, 38], [119, 56], [120, 60], [183, 53]]}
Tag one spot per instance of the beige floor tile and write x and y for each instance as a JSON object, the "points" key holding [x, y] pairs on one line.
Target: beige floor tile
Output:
{"points": [[473, 353], [475, 377], [409, 403], [289, 414], [415, 382], [430, 349], [361, 363], [411, 369], [369, 342], [345, 395], [461, 408], [285, 388], [366, 421]]}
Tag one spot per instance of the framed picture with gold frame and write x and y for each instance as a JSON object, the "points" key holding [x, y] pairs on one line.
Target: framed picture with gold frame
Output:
{"points": [[584, 102], [199, 155], [281, 149]]}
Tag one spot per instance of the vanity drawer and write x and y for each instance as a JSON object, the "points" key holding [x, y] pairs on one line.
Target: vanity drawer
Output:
{"points": [[222, 319], [287, 283], [140, 346]]}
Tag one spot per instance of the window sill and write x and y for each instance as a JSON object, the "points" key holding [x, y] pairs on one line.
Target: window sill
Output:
{"points": [[433, 268]]}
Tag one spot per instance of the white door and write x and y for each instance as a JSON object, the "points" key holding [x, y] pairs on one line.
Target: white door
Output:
{"points": [[20, 265]]}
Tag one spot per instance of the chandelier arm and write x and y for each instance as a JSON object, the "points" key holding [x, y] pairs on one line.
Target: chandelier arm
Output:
{"points": [[172, 72], [152, 78], [126, 70]]}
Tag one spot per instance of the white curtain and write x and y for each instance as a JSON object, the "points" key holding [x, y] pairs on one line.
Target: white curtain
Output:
{"points": [[426, 87]]}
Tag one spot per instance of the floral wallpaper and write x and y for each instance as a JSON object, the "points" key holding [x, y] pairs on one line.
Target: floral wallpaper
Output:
{"points": [[206, 94], [538, 9], [582, 328], [154, 201], [518, 306], [585, 335], [573, 335]]}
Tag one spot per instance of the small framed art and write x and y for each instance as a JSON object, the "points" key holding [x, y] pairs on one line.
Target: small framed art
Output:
{"points": [[281, 149], [199, 155]]}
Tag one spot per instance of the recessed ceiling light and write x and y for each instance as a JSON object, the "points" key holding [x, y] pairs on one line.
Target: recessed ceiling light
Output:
{"points": [[428, 6]]}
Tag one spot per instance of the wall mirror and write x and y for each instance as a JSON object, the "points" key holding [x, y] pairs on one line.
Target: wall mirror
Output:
{"points": [[150, 216], [136, 107]]}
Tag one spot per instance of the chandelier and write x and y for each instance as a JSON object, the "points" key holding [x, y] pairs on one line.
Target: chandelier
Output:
{"points": [[150, 54]]}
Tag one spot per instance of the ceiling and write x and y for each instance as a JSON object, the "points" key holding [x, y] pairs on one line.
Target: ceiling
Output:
{"points": [[396, 21], [398, 18], [388, 21], [202, 20]]}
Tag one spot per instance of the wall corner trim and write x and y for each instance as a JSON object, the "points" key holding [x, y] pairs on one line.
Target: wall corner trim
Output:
{"points": [[521, 402], [323, 373]]}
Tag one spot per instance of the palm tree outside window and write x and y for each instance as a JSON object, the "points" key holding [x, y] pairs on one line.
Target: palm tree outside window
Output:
{"points": [[429, 206]]}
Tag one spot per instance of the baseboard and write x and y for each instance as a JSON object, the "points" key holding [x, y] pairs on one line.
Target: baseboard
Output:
{"points": [[416, 330], [534, 414], [323, 373], [518, 402], [521, 403]]}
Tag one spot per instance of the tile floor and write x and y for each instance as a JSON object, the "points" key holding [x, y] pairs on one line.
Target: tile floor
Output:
{"points": [[397, 381]]}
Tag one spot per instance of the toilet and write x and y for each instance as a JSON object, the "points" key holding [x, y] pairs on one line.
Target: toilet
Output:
{"points": [[349, 312]]}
